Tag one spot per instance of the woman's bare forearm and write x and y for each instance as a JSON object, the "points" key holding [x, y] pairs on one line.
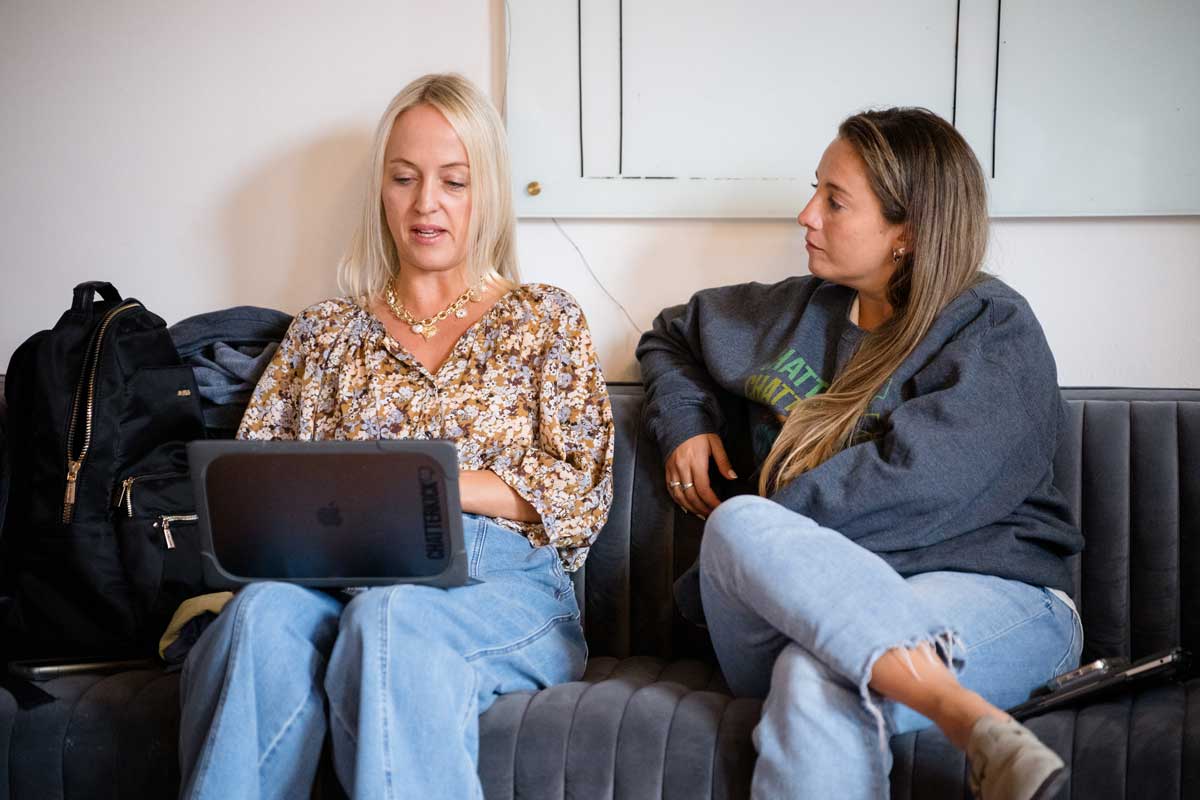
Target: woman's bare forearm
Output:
{"points": [[484, 493]]}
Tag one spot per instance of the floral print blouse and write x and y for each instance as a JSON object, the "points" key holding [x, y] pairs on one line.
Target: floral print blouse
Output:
{"points": [[521, 394]]}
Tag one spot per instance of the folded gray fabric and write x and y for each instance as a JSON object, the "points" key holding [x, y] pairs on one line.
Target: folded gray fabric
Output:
{"points": [[228, 351], [234, 326], [226, 374]]}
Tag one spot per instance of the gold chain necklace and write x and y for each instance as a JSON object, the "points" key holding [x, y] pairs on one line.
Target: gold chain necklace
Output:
{"points": [[428, 327]]}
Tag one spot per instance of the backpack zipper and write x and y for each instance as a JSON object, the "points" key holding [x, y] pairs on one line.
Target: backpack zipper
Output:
{"points": [[125, 498], [165, 521], [90, 365]]}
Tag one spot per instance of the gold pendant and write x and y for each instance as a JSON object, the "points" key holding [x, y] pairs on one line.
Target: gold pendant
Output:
{"points": [[428, 331]]}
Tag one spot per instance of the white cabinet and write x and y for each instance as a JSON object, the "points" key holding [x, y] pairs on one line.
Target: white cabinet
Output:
{"points": [[671, 108]]}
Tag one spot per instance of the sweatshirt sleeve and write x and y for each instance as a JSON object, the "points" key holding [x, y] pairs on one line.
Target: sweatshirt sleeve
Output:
{"points": [[681, 396], [966, 449], [694, 352]]}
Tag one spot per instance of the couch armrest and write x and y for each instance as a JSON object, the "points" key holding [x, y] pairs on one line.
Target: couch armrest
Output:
{"points": [[3, 453]]}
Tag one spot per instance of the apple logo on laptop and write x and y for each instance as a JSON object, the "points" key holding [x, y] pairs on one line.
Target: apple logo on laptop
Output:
{"points": [[329, 515]]}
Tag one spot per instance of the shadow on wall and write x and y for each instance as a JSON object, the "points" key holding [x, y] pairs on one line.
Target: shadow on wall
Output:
{"points": [[647, 265], [288, 223], [700, 254]]}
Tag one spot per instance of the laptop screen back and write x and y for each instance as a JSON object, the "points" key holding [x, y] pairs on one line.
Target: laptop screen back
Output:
{"points": [[329, 514]]}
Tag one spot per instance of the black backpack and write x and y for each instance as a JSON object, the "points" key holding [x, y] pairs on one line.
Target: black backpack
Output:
{"points": [[99, 539]]}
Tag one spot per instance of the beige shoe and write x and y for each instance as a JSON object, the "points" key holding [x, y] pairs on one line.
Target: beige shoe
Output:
{"points": [[1009, 763]]}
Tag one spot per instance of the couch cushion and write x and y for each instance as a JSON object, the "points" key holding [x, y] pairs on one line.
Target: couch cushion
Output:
{"points": [[627, 578], [636, 727], [632, 728], [105, 736]]}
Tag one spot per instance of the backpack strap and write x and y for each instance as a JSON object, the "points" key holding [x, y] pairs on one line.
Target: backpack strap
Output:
{"points": [[85, 294]]}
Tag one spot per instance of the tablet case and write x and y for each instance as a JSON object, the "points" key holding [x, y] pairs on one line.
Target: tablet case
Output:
{"points": [[329, 514], [1171, 664]]}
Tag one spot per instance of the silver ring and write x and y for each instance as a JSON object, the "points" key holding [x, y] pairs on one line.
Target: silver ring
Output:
{"points": [[674, 484], [686, 486]]}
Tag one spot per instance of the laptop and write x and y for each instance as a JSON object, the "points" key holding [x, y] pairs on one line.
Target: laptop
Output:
{"points": [[329, 514]]}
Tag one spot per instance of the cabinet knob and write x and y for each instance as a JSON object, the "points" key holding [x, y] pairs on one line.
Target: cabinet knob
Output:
{"points": [[533, 189]]}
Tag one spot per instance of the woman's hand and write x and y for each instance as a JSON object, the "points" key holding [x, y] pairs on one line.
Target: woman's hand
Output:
{"points": [[481, 491], [687, 473]]}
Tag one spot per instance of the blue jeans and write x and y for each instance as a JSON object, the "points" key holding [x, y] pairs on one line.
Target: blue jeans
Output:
{"points": [[798, 614], [398, 677]]}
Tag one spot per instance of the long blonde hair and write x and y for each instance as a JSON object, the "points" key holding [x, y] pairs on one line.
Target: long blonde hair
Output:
{"points": [[928, 180], [371, 261]]}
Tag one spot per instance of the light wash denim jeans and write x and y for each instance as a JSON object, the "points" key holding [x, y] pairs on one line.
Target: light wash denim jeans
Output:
{"points": [[398, 676], [798, 614]]}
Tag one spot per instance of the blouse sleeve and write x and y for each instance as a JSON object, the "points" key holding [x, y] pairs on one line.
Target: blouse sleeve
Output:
{"points": [[567, 474], [274, 409]]}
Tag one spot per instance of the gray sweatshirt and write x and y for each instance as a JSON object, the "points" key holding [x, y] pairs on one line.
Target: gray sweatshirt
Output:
{"points": [[952, 465]]}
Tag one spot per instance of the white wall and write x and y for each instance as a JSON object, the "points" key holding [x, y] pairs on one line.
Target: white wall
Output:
{"points": [[1117, 297], [210, 154], [199, 155]]}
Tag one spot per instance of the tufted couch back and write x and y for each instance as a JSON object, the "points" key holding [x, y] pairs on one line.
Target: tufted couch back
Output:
{"points": [[1129, 465]]}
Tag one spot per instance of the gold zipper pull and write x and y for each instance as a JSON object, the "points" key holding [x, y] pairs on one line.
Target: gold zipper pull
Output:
{"points": [[129, 495], [165, 521], [125, 498], [69, 498]]}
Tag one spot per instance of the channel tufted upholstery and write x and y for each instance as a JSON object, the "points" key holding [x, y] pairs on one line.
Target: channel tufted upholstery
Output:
{"points": [[1129, 465], [652, 716]]}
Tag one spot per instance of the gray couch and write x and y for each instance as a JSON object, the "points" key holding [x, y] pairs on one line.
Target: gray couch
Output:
{"points": [[652, 716]]}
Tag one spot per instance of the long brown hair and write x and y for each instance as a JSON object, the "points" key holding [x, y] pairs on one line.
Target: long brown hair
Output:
{"points": [[927, 179]]}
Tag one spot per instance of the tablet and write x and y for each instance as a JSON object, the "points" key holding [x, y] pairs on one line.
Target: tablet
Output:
{"points": [[1102, 679], [45, 669]]}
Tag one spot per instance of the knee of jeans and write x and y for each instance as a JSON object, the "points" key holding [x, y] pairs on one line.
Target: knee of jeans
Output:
{"points": [[806, 675], [266, 605], [366, 611], [397, 609], [726, 528], [736, 506], [398, 621]]}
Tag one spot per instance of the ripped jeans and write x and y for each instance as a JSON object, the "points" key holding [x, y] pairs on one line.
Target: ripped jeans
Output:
{"points": [[798, 614]]}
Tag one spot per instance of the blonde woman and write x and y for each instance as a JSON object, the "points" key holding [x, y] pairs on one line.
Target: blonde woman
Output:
{"points": [[435, 338], [903, 561]]}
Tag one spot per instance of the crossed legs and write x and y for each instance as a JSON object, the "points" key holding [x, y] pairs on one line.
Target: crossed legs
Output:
{"points": [[846, 651]]}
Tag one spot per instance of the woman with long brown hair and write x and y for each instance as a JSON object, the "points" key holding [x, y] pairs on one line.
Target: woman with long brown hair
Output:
{"points": [[902, 561]]}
